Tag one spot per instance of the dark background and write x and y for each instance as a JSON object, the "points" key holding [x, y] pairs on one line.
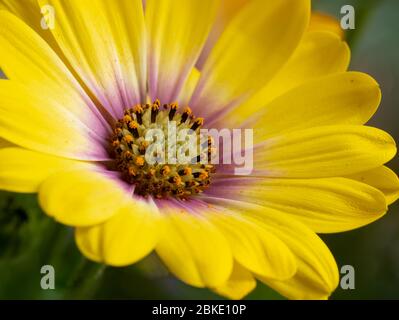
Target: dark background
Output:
{"points": [[29, 240]]}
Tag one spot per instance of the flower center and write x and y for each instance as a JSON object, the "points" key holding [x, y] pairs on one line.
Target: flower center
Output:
{"points": [[142, 145]]}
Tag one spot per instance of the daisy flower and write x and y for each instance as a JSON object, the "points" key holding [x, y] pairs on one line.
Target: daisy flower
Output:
{"points": [[80, 96]]}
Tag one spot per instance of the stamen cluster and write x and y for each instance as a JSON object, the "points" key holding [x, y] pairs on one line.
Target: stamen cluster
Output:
{"points": [[129, 147]]}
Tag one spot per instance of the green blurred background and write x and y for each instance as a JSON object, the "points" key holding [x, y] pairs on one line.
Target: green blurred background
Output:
{"points": [[29, 240]]}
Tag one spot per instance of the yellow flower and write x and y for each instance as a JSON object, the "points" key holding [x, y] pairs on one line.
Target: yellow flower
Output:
{"points": [[321, 21], [74, 107]]}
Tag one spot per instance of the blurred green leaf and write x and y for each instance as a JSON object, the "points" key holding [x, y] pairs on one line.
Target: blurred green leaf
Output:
{"points": [[19, 219]]}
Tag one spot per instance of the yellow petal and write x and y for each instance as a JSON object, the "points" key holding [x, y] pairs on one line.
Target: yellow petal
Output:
{"points": [[317, 272], [43, 123], [323, 22], [5, 144], [105, 43], [254, 248], [324, 205], [344, 98], [254, 46], [189, 87], [194, 250], [240, 283], [328, 151], [30, 12], [177, 31], [382, 178], [22, 170], [227, 11], [127, 237], [319, 54], [27, 59], [82, 198], [230, 8]]}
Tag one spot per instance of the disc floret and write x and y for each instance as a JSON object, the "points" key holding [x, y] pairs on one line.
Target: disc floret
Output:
{"points": [[161, 180]]}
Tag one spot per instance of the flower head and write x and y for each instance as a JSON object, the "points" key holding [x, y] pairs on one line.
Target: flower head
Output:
{"points": [[86, 103]]}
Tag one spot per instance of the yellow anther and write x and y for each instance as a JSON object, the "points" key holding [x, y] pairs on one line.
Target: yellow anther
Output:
{"points": [[143, 146], [137, 108], [139, 161], [157, 103], [128, 155], [204, 175], [128, 139], [200, 121], [172, 111], [133, 125], [187, 110], [155, 107], [132, 171], [155, 110], [197, 123], [127, 118], [177, 180], [165, 170]]}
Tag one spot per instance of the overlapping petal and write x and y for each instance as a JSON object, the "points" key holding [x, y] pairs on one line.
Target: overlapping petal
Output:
{"points": [[317, 272], [227, 11], [194, 250], [319, 54], [105, 43], [324, 205], [127, 237], [254, 248], [177, 31], [320, 21], [240, 283], [83, 197], [249, 53], [382, 178], [23, 170], [4, 143], [349, 98], [45, 123], [31, 13], [28, 60], [327, 151]]}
